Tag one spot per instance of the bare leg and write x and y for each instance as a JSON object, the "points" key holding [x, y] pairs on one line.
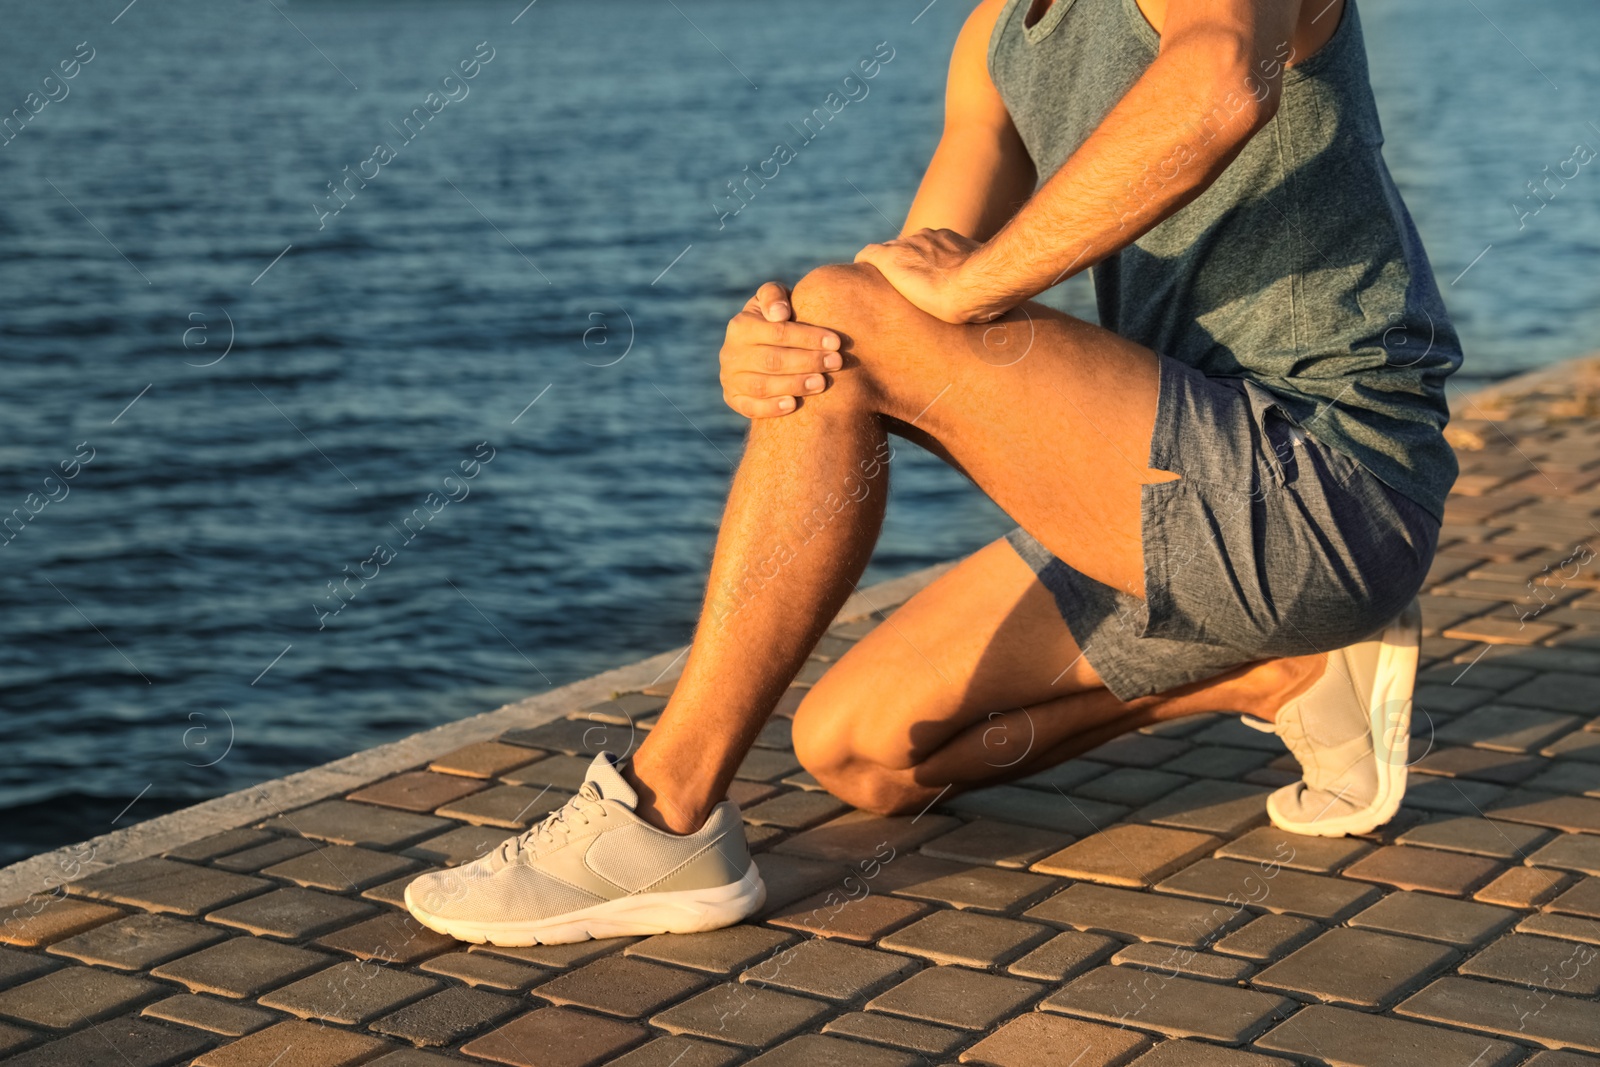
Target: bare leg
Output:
{"points": [[1049, 415], [886, 729]]}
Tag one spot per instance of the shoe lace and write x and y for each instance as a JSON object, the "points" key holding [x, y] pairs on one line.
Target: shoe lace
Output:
{"points": [[557, 826]]}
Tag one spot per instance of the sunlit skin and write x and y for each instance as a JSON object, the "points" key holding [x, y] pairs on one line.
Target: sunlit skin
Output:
{"points": [[933, 337]]}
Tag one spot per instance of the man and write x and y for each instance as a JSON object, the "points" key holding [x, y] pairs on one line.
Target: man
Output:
{"points": [[1231, 489]]}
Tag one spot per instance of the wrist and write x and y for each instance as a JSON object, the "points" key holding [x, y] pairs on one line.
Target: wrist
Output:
{"points": [[982, 293]]}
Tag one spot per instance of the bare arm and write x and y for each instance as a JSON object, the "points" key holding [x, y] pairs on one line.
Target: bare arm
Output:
{"points": [[980, 174], [1214, 84]]}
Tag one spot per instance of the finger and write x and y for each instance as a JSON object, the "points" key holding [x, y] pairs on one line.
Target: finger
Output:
{"points": [[777, 359], [788, 334], [773, 299], [753, 408], [759, 386]]}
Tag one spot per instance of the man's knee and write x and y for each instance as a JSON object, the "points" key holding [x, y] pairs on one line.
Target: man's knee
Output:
{"points": [[828, 745], [845, 297]]}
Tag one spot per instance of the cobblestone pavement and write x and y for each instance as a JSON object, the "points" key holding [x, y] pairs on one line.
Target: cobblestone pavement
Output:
{"points": [[1131, 906]]}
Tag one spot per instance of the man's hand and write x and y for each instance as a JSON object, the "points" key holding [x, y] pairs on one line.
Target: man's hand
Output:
{"points": [[768, 361], [930, 269]]}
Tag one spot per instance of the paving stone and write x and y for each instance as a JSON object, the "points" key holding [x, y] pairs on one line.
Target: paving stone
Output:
{"points": [[293, 914], [1506, 728], [556, 1037], [157, 884], [809, 1049], [510, 807], [71, 997], [1065, 777], [1561, 1059], [136, 1043], [766, 765], [1458, 796], [18, 967], [1483, 837], [1312, 896], [749, 794], [1001, 844], [419, 791], [486, 759], [1460, 762], [1455, 922], [392, 937], [1340, 1036], [821, 968], [461, 845], [1131, 787], [901, 1033], [981, 888], [1128, 854], [46, 918], [413, 1057], [350, 993], [675, 1051], [909, 872], [574, 735], [1582, 899], [1510, 1011], [393, 893], [1144, 916], [796, 810], [624, 986], [1064, 956], [1231, 731], [967, 939], [1217, 761], [207, 848], [211, 1014], [1077, 816], [834, 914], [1570, 852], [342, 868], [138, 942], [1223, 808], [1455, 698], [1138, 750], [746, 1015], [481, 969], [344, 822], [243, 967], [1314, 855], [1523, 887], [955, 996], [859, 835], [1502, 631], [1429, 870], [1268, 938], [1177, 1007], [1540, 963], [1564, 926], [560, 957], [295, 1044], [1181, 1053], [1578, 745], [565, 773], [1040, 1040], [1185, 962], [719, 951], [447, 1016], [1358, 968], [277, 850], [1558, 691]]}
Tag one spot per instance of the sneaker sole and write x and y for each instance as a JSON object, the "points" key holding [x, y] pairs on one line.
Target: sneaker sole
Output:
{"points": [[687, 911], [1390, 724]]}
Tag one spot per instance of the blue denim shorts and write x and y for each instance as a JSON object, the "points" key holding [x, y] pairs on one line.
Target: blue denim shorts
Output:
{"points": [[1269, 544]]}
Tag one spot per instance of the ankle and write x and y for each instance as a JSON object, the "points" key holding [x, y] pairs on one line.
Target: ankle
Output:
{"points": [[658, 809], [1280, 682]]}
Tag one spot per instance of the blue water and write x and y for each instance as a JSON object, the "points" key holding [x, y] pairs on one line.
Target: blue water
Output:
{"points": [[255, 425]]}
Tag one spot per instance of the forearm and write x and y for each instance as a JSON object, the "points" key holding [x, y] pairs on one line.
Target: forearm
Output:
{"points": [[976, 181], [1169, 137]]}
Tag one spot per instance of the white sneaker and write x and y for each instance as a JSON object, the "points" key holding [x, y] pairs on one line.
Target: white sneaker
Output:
{"points": [[1351, 733], [595, 869]]}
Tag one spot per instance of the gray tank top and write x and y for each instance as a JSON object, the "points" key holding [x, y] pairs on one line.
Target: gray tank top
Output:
{"points": [[1299, 268]]}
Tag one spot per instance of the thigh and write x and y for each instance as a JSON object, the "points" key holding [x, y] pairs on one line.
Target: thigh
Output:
{"points": [[986, 637], [1050, 415]]}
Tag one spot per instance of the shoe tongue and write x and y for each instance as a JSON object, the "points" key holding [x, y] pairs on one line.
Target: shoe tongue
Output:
{"points": [[608, 781]]}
